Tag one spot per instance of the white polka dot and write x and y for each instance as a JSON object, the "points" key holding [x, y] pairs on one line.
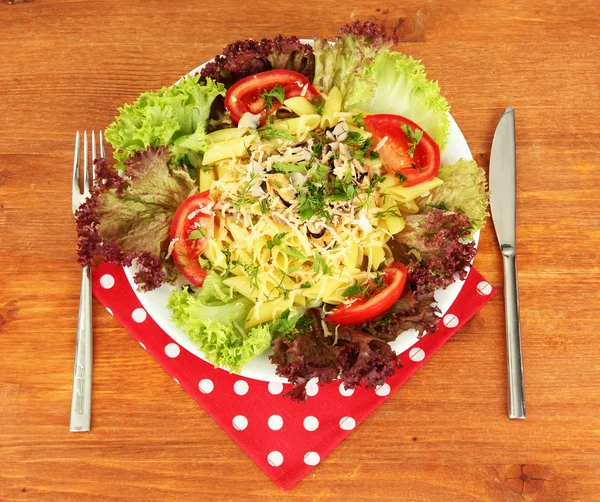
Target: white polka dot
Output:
{"points": [[240, 422], [484, 288], [311, 423], [275, 458], [139, 315], [240, 387], [416, 354], [312, 387], [347, 423], [311, 458], [109, 311], [143, 346], [107, 281], [206, 386], [383, 390], [275, 422], [450, 321], [345, 392], [176, 381], [172, 350], [275, 388]]}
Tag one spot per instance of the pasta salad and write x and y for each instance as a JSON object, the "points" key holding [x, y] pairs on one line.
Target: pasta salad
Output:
{"points": [[296, 196]]}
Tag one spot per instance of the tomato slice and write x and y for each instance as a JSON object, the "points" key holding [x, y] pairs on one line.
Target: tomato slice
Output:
{"points": [[245, 95], [359, 308], [412, 170], [193, 225]]}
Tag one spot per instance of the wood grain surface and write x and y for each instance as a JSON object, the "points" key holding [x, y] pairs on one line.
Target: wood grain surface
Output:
{"points": [[445, 435]]}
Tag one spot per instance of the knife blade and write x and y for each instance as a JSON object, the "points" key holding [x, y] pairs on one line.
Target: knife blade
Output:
{"points": [[503, 203]]}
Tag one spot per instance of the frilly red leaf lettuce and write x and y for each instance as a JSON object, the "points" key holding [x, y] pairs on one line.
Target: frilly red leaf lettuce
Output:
{"points": [[356, 357], [409, 312], [434, 249], [247, 57], [130, 217]]}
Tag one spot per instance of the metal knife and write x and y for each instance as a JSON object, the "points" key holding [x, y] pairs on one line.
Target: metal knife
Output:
{"points": [[503, 202]]}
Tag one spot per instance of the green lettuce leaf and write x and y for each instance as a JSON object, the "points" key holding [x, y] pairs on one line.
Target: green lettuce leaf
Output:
{"points": [[346, 65], [403, 89], [377, 80], [214, 320], [174, 116], [465, 188]]}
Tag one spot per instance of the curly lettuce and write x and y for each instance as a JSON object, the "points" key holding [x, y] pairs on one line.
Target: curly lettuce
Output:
{"points": [[214, 318], [247, 57], [174, 116], [465, 188], [129, 217], [373, 78]]}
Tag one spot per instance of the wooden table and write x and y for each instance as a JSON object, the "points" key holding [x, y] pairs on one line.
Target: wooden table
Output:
{"points": [[67, 65]]}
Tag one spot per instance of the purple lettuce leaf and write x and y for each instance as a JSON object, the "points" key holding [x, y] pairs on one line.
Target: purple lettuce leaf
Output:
{"points": [[247, 57], [130, 217], [407, 313], [434, 249], [356, 357]]}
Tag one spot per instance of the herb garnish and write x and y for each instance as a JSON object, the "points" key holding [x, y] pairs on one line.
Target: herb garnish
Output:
{"points": [[413, 136], [271, 132], [401, 177], [277, 240], [320, 264], [278, 92]]}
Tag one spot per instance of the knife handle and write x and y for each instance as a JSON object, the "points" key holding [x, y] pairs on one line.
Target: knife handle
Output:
{"points": [[516, 392]]}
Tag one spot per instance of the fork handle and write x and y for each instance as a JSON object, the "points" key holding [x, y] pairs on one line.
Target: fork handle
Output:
{"points": [[81, 399], [516, 392]]}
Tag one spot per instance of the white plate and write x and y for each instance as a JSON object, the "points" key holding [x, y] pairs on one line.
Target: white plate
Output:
{"points": [[260, 368]]}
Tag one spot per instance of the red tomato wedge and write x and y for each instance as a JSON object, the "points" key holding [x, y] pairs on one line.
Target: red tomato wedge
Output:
{"points": [[359, 309], [395, 152], [246, 94], [193, 225]]}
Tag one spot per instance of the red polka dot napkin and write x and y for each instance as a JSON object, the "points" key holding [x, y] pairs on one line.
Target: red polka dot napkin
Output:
{"points": [[284, 438]]}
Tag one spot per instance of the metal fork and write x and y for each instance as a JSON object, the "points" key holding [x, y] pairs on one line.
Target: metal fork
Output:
{"points": [[81, 399]]}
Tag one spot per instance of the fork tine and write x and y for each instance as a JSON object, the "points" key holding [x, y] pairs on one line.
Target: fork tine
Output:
{"points": [[76, 186], [94, 157], [102, 150], [86, 166]]}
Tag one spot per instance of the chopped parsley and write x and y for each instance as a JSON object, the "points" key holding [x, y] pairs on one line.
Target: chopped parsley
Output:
{"points": [[358, 120], [319, 264], [312, 199], [286, 323], [289, 324], [401, 177], [271, 132], [293, 253], [264, 206], [352, 290], [413, 136], [306, 285], [276, 240], [278, 92], [243, 198]]}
